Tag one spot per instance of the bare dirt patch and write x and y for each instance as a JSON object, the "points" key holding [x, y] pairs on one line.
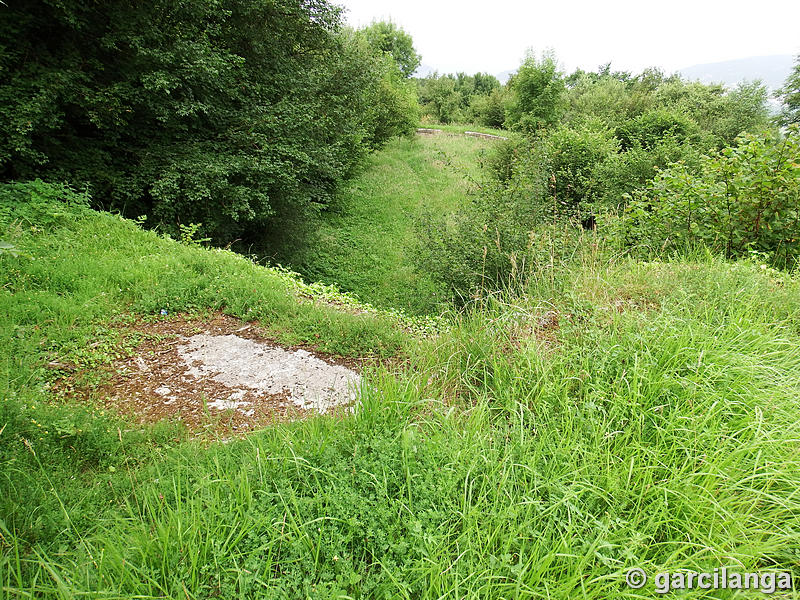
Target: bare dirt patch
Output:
{"points": [[219, 374]]}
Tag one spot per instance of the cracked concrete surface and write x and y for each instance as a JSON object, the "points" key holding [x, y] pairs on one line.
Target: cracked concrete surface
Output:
{"points": [[236, 363]]}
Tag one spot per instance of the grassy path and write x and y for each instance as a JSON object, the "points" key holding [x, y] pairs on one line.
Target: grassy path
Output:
{"points": [[365, 240]]}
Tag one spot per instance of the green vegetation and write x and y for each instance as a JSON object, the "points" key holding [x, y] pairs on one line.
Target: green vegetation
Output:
{"points": [[537, 95], [587, 144], [83, 266], [464, 127], [388, 38], [580, 346], [469, 98], [365, 241], [745, 199], [790, 95], [620, 413]]}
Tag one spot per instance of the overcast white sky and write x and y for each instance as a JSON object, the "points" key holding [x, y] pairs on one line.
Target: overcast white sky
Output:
{"points": [[493, 35]]}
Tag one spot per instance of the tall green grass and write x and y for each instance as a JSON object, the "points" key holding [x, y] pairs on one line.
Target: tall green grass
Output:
{"points": [[617, 414]]}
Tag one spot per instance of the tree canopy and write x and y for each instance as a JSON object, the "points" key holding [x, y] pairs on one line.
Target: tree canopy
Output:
{"points": [[790, 95], [229, 115], [537, 94], [385, 36]]}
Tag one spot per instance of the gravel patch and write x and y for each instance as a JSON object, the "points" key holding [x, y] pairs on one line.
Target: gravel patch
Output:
{"points": [[236, 363]]}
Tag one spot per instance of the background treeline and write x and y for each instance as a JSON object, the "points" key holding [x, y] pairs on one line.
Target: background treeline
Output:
{"points": [[651, 163], [477, 98], [539, 95], [238, 115]]}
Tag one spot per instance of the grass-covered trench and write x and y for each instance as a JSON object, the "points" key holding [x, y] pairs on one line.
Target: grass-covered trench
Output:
{"points": [[366, 240], [617, 414]]}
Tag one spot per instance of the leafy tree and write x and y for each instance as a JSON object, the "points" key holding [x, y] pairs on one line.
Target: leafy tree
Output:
{"points": [[723, 114], [236, 117], [468, 86], [790, 96], [394, 109], [608, 98], [485, 84], [627, 171], [487, 241], [388, 38], [537, 94], [573, 158], [449, 98]]}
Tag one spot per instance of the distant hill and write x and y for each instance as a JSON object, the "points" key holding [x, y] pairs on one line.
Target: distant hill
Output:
{"points": [[772, 70], [423, 71]]}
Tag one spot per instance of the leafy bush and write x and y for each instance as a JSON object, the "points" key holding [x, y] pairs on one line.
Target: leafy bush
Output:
{"points": [[790, 95], [650, 128], [611, 99], [510, 229], [574, 157], [439, 98], [721, 114], [461, 97], [622, 173], [743, 199], [572, 162], [503, 157], [489, 110], [650, 104], [40, 206], [388, 38], [395, 110]]}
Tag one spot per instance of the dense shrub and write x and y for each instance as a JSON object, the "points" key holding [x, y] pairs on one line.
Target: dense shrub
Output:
{"points": [[39, 205], [489, 110], [619, 129], [574, 158], [439, 98], [461, 97], [387, 38], [395, 110], [711, 114], [650, 128], [622, 173], [481, 247], [721, 113], [743, 199], [503, 157], [611, 99], [508, 230]]}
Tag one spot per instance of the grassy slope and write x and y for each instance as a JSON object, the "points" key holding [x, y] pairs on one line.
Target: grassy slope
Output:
{"points": [[82, 265], [655, 426], [364, 241]]}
